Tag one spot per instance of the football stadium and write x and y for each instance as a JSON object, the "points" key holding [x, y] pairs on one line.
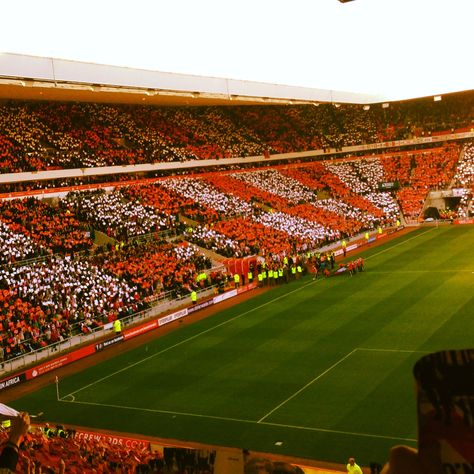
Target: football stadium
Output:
{"points": [[202, 275]]}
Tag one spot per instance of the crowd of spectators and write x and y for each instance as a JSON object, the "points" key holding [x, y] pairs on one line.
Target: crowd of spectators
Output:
{"points": [[117, 217], [60, 291], [51, 228], [227, 183], [169, 203], [226, 205], [49, 135], [15, 246], [386, 203], [310, 233], [59, 449], [278, 202], [412, 174], [464, 177], [418, 173], [46, 301], [156, 267], [207, 237], [361, 176], [273, 212], [273, 182], [268, 212], [256, 238]]}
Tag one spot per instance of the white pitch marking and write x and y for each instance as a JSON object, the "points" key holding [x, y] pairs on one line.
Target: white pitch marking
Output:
{"points": [[307, 385], [392, 350], [350, 433], [400, 243], [238, 420], [190, 338]]}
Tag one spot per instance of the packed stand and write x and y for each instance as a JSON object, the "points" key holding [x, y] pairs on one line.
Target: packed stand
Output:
{"points": [[228, 183], [257, 238], [208, 238], [226, 205], [59, 449], [464, 177], [111, 214], [51, 228], [418, 173], [168, 202], [156, 267], [274, 182], [364, 177], [15, 246], [49, 135], [64, 292]]}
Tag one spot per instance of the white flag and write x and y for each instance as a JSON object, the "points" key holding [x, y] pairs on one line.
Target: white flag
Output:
{"points": [[8, 411]]}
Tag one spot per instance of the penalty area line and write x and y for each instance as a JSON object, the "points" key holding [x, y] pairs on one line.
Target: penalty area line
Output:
{"points": [[184, 341], [307, 385], [239, 420]]}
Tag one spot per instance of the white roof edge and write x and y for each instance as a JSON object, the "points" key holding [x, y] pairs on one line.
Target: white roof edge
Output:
{"points": [[62, 70]]}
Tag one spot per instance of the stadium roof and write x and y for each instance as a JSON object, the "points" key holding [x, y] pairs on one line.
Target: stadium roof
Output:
{"points": [[29, 78], [377, 50]]}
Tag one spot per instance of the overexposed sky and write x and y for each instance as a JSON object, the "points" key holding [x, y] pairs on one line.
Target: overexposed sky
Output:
{"points": [[397, 48]]}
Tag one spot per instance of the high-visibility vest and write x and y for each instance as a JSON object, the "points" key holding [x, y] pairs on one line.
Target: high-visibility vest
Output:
{"points": [[117, 325], [270, 273], [250, 276], [201, 276], [366, 236], [260, 277], [344, 244], [293, 270], [379, 230], [236, 278], [299, 269], [280, 272], [194, 296]]}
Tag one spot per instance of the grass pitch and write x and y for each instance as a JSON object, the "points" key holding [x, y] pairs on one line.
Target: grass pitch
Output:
{"points": [[316, 369]]}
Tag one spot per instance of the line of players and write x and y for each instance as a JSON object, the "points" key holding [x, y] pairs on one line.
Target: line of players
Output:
{"points": [[293, 268], [318, 264]]}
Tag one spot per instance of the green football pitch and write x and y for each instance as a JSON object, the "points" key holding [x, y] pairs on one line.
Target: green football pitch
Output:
{"points": [[315, 369]]}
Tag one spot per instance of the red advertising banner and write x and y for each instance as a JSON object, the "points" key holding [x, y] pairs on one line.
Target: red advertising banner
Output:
{"points": [[59, 362], [245, 288], [463, 221], [143, 328], [129, 443]]}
